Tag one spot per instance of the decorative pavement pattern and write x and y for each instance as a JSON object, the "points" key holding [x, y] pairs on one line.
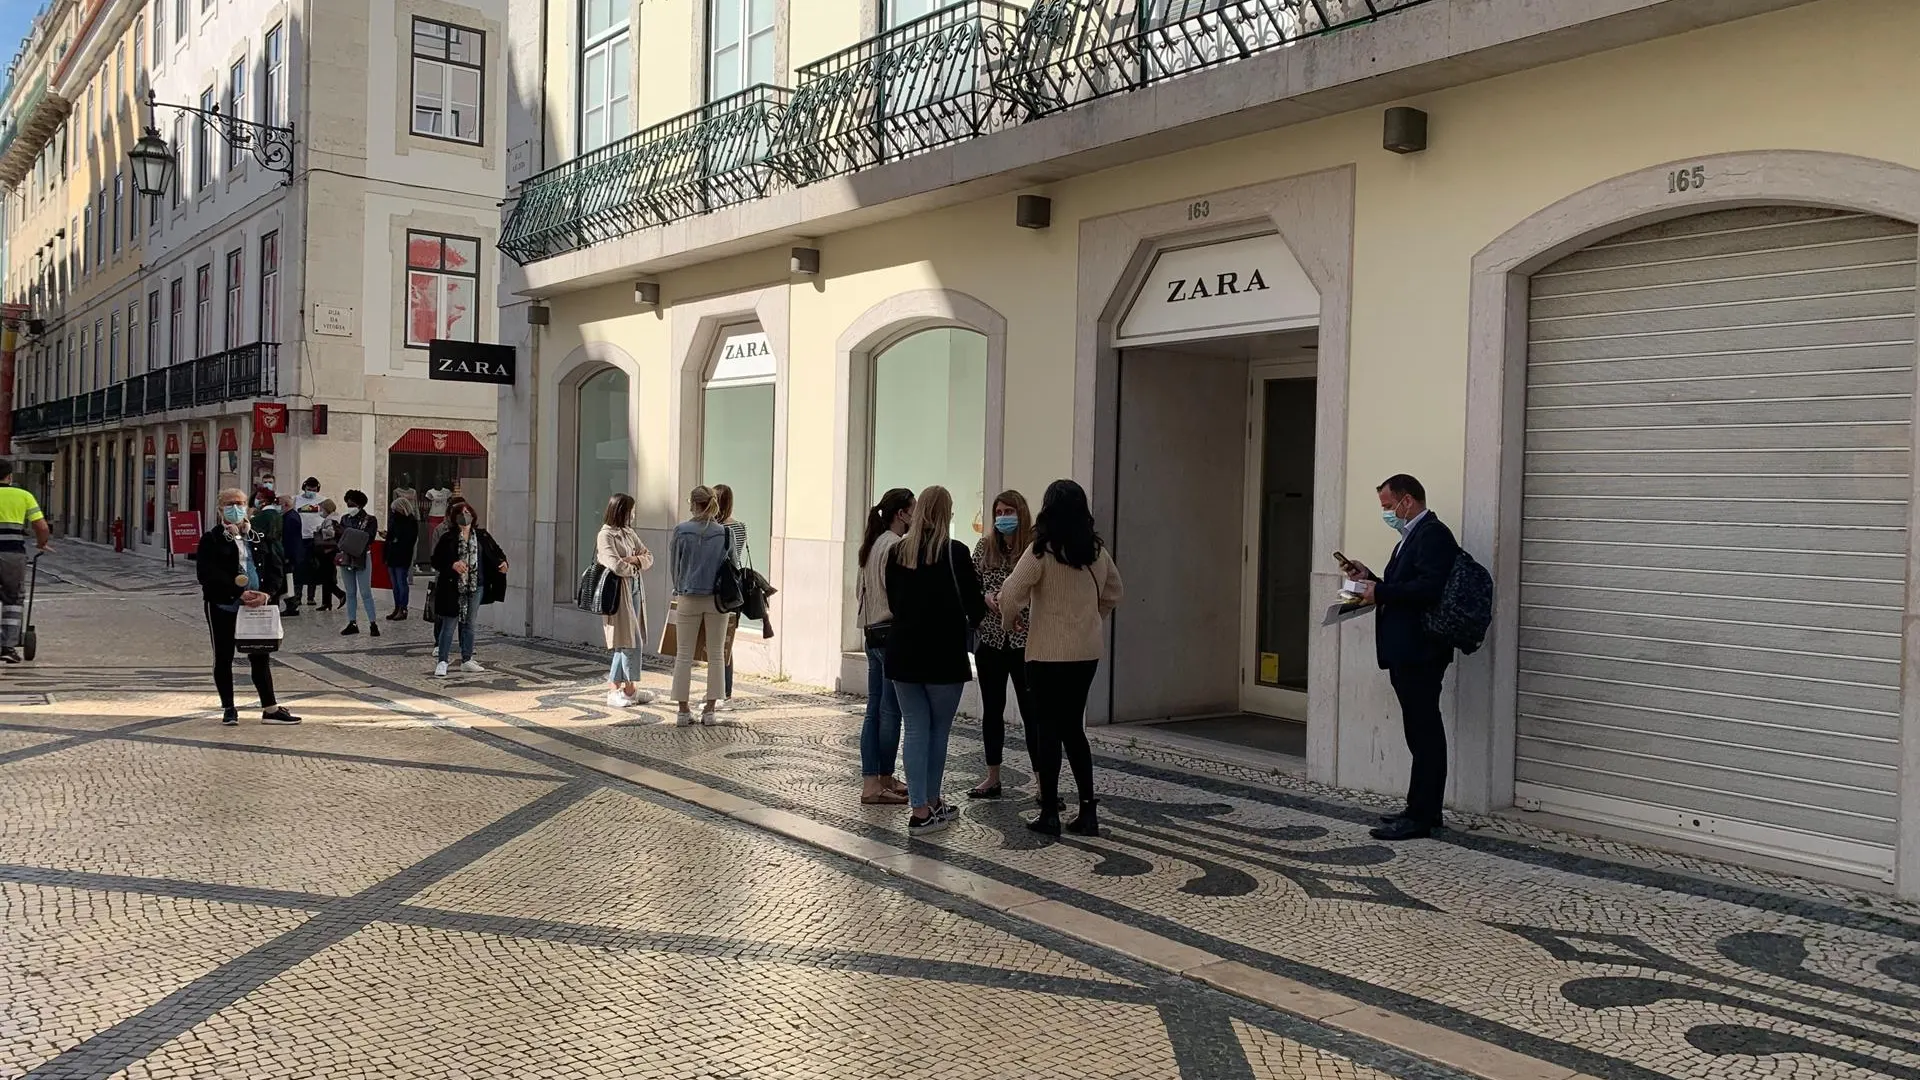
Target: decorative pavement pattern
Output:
{"points": [[405, 895]]}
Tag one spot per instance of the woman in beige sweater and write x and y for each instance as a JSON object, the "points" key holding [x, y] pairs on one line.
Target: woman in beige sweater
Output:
{"points": [[1068, 584], [618, 548]]}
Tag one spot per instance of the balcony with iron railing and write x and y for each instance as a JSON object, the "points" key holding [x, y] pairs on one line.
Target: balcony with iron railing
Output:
{"points": [[245, 373], [965, 71]]}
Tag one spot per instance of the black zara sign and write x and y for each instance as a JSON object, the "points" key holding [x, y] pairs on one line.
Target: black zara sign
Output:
{"points": [[745, 347], [470, 361], [1180, 290]]}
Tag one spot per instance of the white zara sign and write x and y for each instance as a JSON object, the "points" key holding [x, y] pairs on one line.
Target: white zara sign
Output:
{"points": [[1248, 286], [744, 358]]}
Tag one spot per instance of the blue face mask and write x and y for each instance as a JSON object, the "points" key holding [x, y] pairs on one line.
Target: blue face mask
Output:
{"points": [[1393, 521], [233, 515], [1006, 524]]}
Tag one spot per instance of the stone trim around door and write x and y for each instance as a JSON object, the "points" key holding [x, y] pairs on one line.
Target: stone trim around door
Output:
{"points": [[877, 329], [551, 592], [1314, 214], [1496, 407]]}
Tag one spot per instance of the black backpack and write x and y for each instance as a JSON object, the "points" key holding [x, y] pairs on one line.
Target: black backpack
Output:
{"points": [[1465, 610]]}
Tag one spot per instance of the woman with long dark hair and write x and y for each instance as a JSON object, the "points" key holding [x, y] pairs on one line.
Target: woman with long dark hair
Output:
{"points": [[471, 570], [1068, 583], [880, 731], [1002, 655], [935, 600], [618, 548]]}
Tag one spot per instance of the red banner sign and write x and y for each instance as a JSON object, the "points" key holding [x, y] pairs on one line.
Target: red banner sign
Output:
{"points": [[149, 448], [183, 526], [173, 443], [229, 439], [198, 443], [270, 417], [262, 439]]}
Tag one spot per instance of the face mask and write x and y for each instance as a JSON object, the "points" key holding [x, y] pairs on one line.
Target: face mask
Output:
{"points": [[1393, 520], [462, 519], [233, 515], [1006, 524], [268, 485]]}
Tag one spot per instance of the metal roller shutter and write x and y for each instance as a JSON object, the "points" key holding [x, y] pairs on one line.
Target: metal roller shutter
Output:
{"points": [[1718, 460]]}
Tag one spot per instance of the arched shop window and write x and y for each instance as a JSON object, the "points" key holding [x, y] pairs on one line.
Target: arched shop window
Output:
{"points": [[602, 452], [736, 432], [929, 420]]}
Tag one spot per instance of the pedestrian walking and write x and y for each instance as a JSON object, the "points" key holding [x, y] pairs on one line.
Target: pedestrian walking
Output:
{"points": [[1068, 585], [1002, 656], [354, 556], [294, 549], [323, 544], [618, 548], [471, 571], [736, 551], [700, 547], [20, 513], [402, 540], [934, 597], [887, 521], [237, 569], [1415, 661]]}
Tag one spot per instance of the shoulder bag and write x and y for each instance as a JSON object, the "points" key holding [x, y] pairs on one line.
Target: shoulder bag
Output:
{"points": [[726, 580], [598, 591], [973, 628]]}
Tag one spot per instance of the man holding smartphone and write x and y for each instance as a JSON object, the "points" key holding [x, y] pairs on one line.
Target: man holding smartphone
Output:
{"points": [[1414, 659]]}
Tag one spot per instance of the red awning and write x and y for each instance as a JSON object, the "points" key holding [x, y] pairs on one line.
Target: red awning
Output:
{"points": [[439, 441]]}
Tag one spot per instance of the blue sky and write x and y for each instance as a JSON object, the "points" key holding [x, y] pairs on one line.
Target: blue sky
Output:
{"points": [[15, 17]]}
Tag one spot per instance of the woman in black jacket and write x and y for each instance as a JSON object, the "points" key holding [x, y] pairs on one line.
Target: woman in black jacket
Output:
{"points": [[239, 568], [471, 571], [935, 598], [403, 539]]}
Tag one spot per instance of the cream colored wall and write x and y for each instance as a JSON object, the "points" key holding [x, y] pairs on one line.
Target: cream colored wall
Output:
{"points": [[1827, 76]]}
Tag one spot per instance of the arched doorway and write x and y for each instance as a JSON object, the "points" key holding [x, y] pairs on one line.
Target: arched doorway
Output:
{"points": [[928, 421], [1713, 532], [602, 459]]}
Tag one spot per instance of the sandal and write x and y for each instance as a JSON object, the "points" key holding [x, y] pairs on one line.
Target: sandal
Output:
{"points": [[884, 798], [985, 792]]}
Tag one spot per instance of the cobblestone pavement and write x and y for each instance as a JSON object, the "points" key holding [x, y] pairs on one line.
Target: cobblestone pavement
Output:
{"points": [[383, 892]]}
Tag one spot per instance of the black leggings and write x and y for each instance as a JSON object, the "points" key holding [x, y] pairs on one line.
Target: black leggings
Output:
{"points": [[220, 625], [997, 667], [1058, 691]]}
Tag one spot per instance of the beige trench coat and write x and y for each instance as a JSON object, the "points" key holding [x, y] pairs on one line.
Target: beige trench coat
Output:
{"points": [[627, 627]]}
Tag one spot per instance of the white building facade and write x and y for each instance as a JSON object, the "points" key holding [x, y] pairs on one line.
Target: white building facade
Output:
{"points": [[277, 326]]}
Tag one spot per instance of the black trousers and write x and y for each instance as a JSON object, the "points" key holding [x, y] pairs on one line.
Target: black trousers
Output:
{"points": [[1058, 693], [997, 667], [1418, 688], [220, 626]]}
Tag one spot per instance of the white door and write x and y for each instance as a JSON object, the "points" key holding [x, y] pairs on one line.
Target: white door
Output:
{"points": [[1277, 555], [1714, 532]]}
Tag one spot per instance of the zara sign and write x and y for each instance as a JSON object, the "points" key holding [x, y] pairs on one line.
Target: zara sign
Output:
{"points": [[1247, 286], [470, 361]]}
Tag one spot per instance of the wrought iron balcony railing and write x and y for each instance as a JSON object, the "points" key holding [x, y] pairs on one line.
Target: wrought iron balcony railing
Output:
{"points": [[966, 70], [917, 87], [712, 157], [238, 374]]}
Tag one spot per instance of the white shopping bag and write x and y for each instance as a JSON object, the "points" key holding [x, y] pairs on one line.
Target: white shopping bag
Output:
{"points": [[257, 629]]}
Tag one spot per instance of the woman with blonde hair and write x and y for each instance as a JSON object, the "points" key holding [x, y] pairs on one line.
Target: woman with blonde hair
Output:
{"points": [[618, 548], [1002, 655], [700, 547], [934, 596]]}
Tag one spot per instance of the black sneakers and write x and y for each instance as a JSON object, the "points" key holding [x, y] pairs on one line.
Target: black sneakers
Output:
{"points": [[230, 718], [352, 629], [279, 716], [942, 816]]}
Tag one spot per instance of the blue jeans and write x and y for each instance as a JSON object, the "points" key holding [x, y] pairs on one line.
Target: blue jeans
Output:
{"points": [[926, 712], [623, 670], [359, 586], [402, 585], [880, 731], [445, 635]]}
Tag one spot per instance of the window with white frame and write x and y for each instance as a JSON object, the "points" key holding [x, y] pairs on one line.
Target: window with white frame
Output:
{"points": [[177, 309], [902, 12], [139, 54], [236, 296], [203, 145], [179, 166], [120, 74], [443, 287], [203, 311], [179, 20], [449, 76], [113, 352], [100, 228], [236, 105], [153, 328], [119, 206], [606, 73], [99, 347], [272, 76], [133, 332], [270, 287], [159, 33], [739, 45], [84, 340]]}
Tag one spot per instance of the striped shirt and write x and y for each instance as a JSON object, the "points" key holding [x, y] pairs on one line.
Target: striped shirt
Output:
{"points": [[737, 541]]}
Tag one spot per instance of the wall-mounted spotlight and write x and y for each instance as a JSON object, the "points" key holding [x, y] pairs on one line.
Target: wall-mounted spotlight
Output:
{"points": [[539, 315], [1033, 212], [646, 293], [1406, 130], [804, 260]]}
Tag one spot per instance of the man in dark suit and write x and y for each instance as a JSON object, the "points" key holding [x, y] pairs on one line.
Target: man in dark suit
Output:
{"points": [[1415, 661]]}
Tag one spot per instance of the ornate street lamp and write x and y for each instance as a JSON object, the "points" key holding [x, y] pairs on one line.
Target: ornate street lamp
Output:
{"points": [[153, 160]]}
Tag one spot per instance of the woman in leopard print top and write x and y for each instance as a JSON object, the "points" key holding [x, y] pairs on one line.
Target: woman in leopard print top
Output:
{"points": [[1003, 652]]}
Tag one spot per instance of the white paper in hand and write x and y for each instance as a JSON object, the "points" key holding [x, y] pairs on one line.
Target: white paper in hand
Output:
{"points": [[257, 629]]}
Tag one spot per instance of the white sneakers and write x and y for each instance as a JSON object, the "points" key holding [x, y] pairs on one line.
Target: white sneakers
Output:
{"points": [[440, 670], [642, 697], [685, 719], [472, 666], [618, 698]]}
